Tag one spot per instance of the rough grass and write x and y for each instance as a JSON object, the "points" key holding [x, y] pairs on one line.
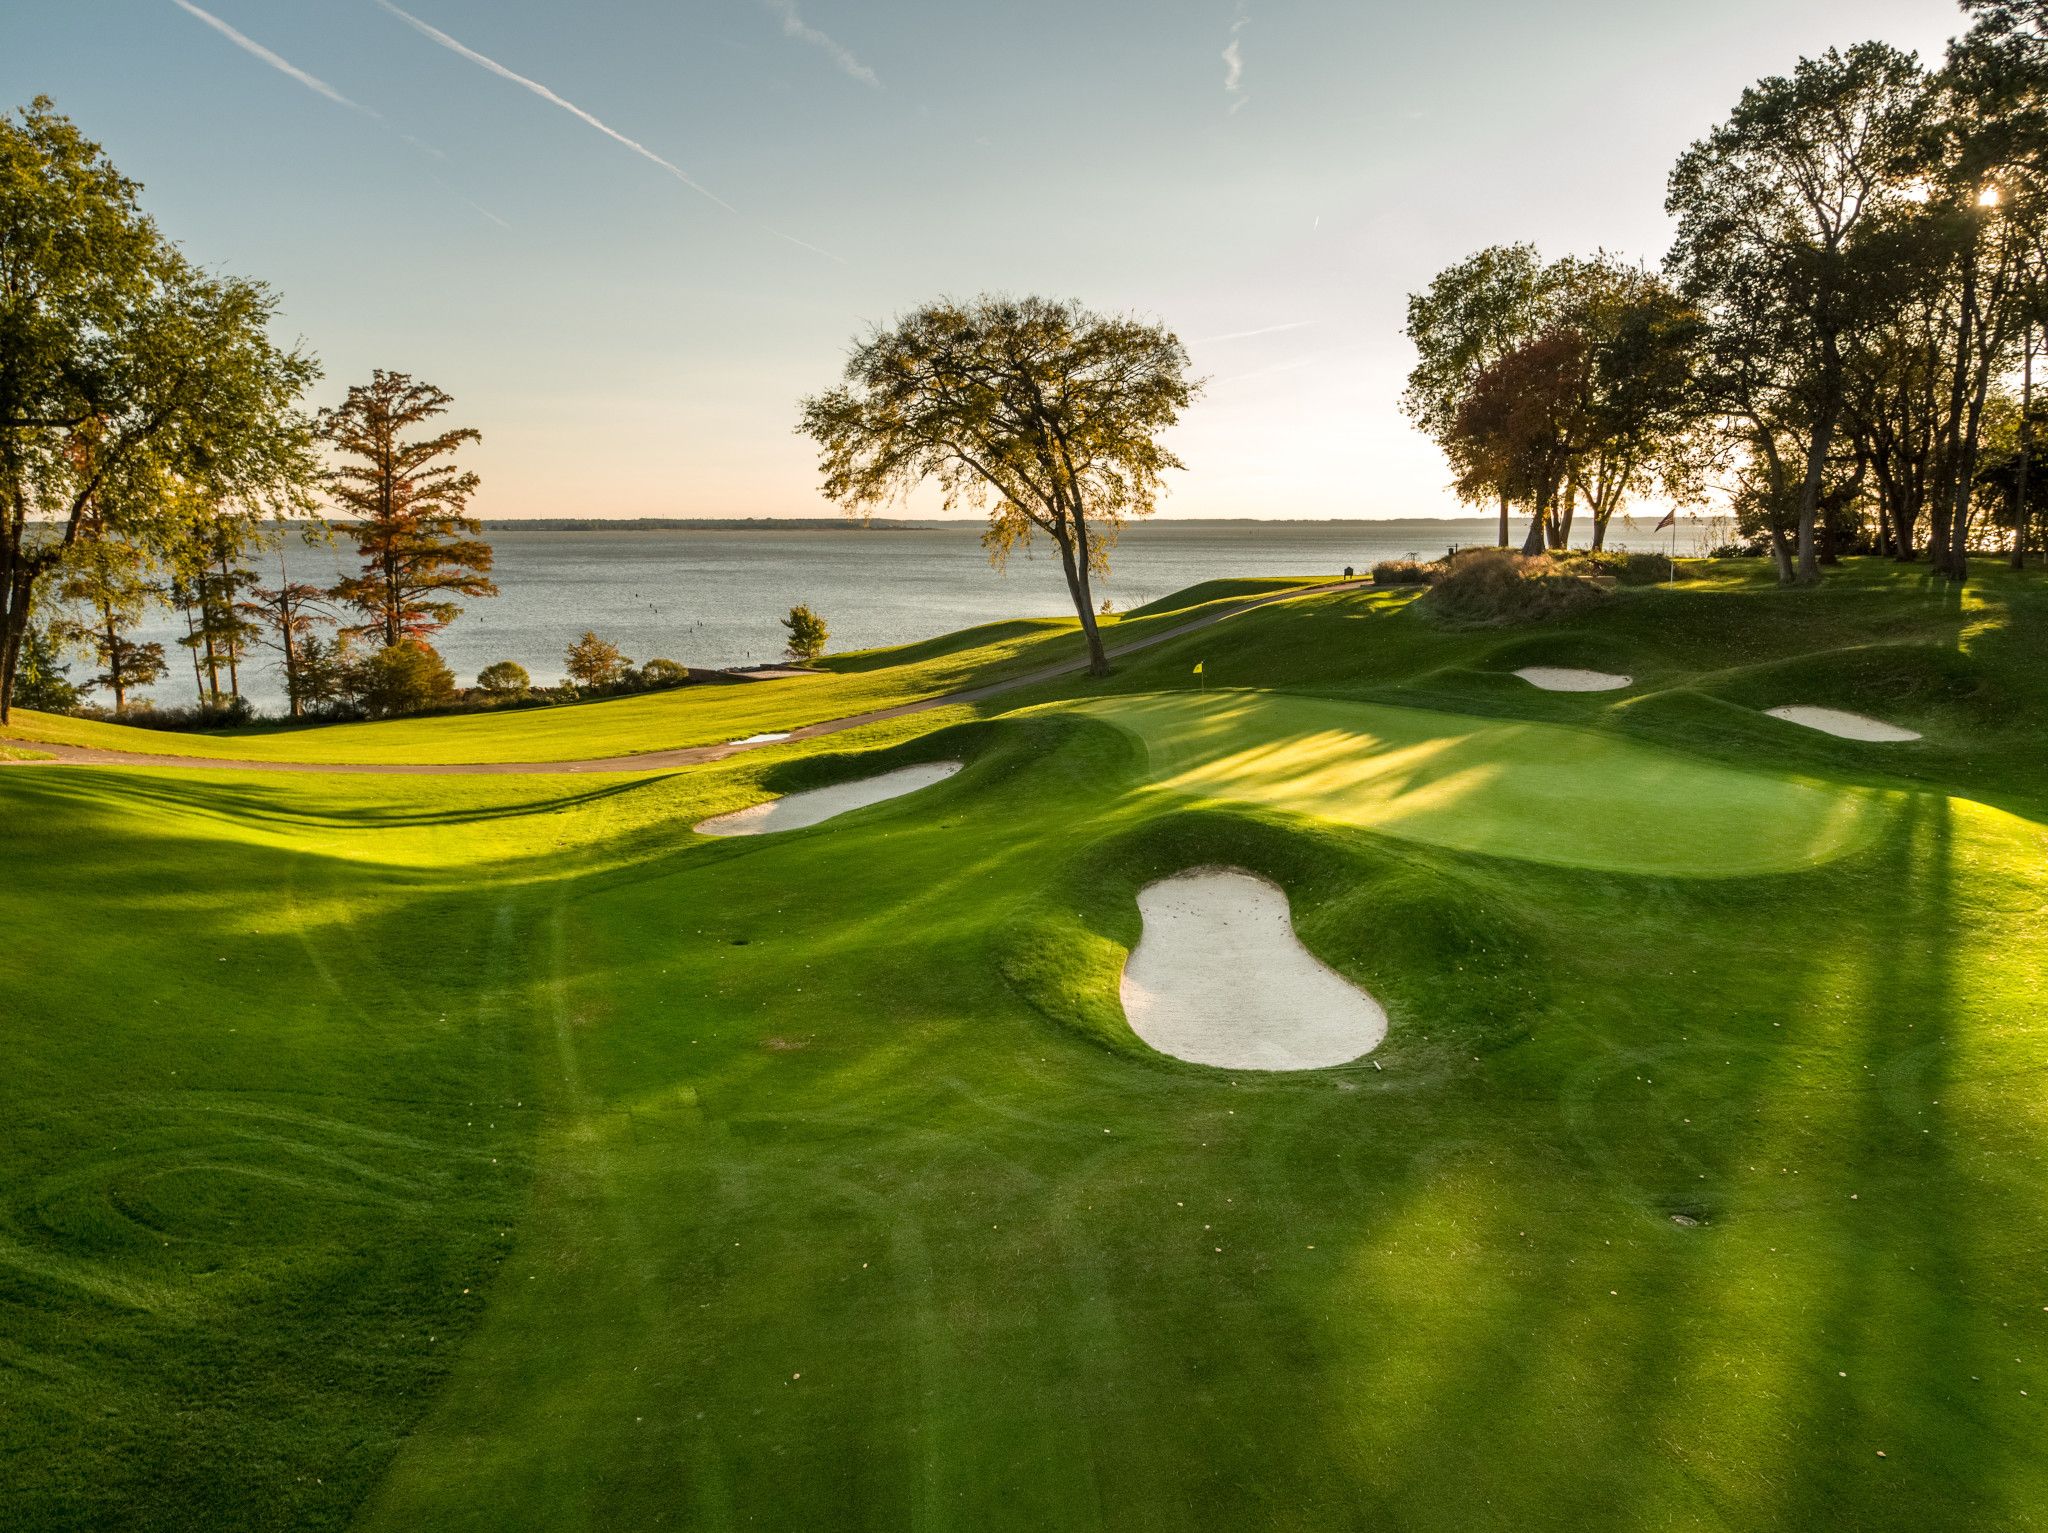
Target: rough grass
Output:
{"points": [[856, 682], [812, 1182]]}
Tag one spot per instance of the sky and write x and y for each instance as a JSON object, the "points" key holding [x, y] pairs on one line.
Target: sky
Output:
{"points": [[629, 235]]}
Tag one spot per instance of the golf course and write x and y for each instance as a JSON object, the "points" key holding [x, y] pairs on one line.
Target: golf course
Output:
{"points": [[454, 1147]]}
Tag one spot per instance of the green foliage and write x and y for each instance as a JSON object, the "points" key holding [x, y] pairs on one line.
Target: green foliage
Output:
{"points": [[1046, 415], [662, 672], [807, 634], [43, 680], [1401, 572], [594, 662], [504, 678], [406, 677], [142, 397]]}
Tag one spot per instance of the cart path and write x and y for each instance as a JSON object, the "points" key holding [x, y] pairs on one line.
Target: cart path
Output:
{"points": [[663, 760]]}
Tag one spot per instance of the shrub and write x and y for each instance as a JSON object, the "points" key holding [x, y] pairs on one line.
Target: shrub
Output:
{"points": [[1399, 572], [1636, 568], [504, 678], [807, 634], [406, 677], [143, 714], [1492, 585], [595, 662], [660, 672]]}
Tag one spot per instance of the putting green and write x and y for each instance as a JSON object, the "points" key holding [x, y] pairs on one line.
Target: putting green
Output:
{"points": [[1543, 792]]}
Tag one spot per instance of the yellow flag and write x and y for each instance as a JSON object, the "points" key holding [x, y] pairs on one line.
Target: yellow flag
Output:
{"points": [[1198, 667]]}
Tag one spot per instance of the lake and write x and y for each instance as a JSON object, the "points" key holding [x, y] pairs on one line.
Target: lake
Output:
{"points": [[714, 596]]}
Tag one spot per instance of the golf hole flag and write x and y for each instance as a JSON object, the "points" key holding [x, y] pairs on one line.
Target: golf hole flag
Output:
{"points": [[1198, 667]]}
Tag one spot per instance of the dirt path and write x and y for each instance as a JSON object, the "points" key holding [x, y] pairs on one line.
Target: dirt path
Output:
{"points": [[654, 761]]}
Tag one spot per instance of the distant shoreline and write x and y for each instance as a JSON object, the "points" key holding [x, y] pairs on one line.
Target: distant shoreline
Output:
{"points": [[916, 524]]}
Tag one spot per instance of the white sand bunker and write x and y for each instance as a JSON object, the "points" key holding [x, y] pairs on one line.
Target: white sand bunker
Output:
{"points": [[1564, 678], [1219, 978], [796, 810], [1850, 726]]}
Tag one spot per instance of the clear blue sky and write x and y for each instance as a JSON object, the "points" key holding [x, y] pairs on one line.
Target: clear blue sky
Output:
{"points": [[629, 346]]}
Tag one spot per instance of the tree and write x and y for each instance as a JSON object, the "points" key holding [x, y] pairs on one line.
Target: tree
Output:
{"points": [[407, 502], [289, 612], [1469, 317], [1518, 430], [504, 678], [406, 677], [44, 681], [128, 377], [1637, 427], [1770, 208], [1045, 415], [327, 674], [807, 634], [595, 662], [109, 581]]}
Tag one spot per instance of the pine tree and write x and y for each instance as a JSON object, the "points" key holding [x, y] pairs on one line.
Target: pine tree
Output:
{"points": [[407, 506]]}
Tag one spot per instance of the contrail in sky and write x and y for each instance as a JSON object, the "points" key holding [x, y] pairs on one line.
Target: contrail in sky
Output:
{"points": [[547, 95], [794, 26], [1244, 335], [314, 83], [249, 45]]}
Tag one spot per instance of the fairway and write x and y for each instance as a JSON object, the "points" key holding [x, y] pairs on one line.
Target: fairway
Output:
{"points": [[1537, 791], [494, 1153]]}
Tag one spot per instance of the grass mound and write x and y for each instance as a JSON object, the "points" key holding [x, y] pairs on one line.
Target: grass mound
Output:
{"points": [[1201, 594], [1493, 586]]}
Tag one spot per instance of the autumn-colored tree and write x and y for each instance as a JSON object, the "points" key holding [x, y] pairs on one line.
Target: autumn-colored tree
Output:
{"points": [[595, 662], [407, 506], [1520, 427], [807, 634], [1046, 415], [1470, 316]]}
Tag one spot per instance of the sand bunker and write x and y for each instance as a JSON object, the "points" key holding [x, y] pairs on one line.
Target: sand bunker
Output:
{"points": [[796, 810], [1850, 726], [1563, 678], [1219, 978]]}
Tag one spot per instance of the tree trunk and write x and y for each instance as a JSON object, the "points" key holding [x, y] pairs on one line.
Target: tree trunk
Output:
{"points": [[1503, 521], [1077, 587], [2019, 514], [1817, 466], [13, 634]]}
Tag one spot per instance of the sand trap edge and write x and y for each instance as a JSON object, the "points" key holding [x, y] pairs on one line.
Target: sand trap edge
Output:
{"points": [[1842, 724], [813, 806], [1217, 966], [1568, 678]]}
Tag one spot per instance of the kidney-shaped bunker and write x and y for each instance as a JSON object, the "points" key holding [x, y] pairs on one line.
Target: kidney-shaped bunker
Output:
{"points": [[796, 810], [1219, 978]]}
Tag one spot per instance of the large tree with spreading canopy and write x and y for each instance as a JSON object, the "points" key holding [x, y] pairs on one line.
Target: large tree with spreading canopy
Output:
{"points": [[1045, 415], [137, 392]]}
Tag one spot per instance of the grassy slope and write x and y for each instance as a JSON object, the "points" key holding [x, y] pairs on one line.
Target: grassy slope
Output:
{"points": [[855, 682], [855, 1104]]}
